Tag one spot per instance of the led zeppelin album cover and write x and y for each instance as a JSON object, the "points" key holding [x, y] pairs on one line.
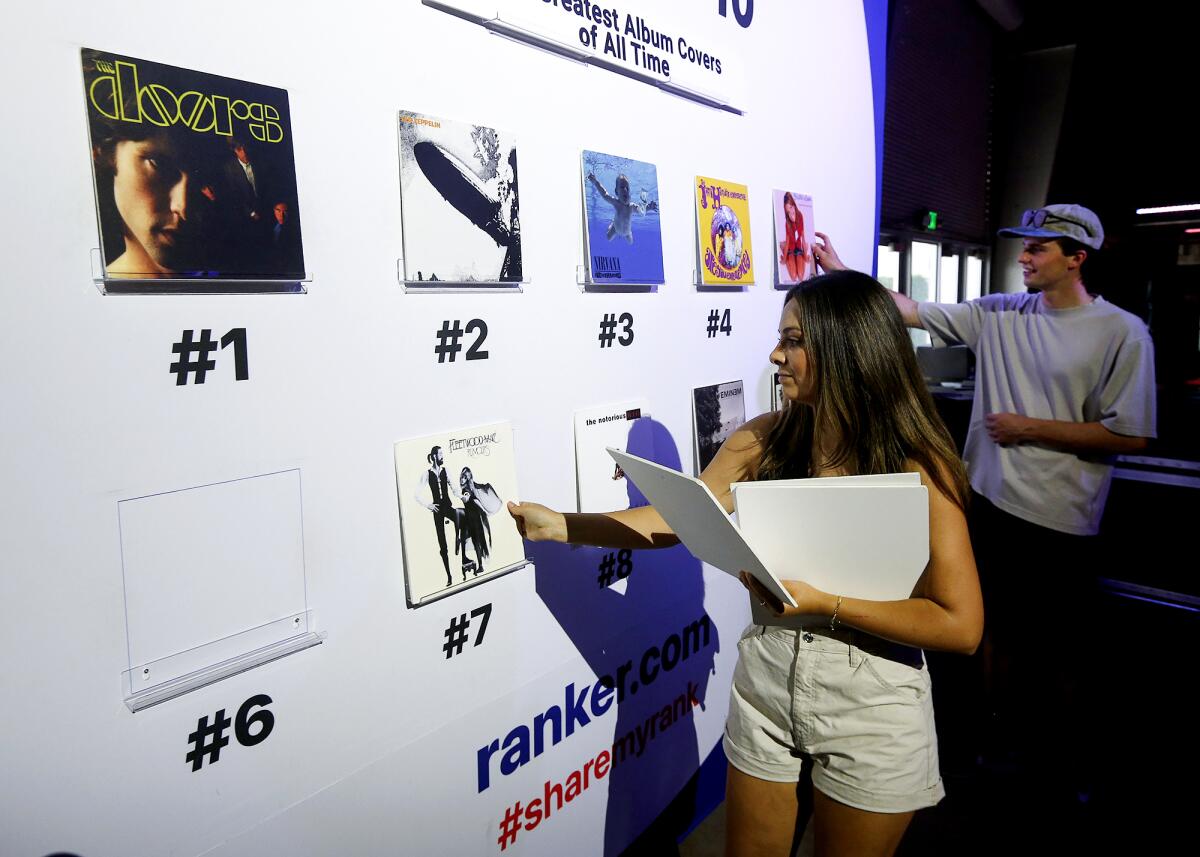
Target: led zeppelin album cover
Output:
{"points": [[458, 197], [794, 237], [453, 487], [723, 233], [195, 177], [624, 229]]}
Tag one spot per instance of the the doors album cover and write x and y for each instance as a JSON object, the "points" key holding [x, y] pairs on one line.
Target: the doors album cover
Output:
{"points": [[195, 176]]}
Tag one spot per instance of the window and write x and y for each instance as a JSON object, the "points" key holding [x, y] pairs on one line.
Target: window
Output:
{"points": [[922, 284], [916, 266], [924, 271], [973, 288], [948, 280], [889, 267]]}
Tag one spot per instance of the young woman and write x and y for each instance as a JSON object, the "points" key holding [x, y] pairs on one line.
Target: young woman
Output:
{"points": [[837, 685], [793, 250], [479, 500]]}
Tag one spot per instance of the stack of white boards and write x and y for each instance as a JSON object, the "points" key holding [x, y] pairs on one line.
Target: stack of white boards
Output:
{"points": [[859, 536]]}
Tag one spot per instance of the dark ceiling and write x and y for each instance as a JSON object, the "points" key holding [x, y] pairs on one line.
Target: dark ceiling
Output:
{"points": [[1128, 138]]}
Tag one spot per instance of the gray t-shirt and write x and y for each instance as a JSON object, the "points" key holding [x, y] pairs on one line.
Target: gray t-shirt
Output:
{"points": [[1091, 363]]}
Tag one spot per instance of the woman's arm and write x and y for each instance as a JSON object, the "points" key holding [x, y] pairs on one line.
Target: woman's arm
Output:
{"points": [[945, 610], [636, 528], [644, 527]]}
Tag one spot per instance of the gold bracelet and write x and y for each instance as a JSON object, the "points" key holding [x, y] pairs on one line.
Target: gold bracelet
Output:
{"points": [[833, 618]]}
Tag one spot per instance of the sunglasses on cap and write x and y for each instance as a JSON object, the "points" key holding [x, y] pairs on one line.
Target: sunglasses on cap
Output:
{"points": [[1035, 217]]}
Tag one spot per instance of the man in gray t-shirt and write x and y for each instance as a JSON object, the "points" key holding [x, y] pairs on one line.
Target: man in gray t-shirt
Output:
{"points": [[1064, 379]]}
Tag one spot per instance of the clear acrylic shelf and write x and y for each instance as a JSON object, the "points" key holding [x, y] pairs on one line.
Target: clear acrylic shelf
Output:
{"points": [[192, 285], [701, 286], [166, 678], [460, 588], [445, 287], [602, 287]]}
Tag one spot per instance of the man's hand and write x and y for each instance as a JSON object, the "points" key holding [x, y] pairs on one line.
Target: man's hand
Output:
{"points": [[827, 258], [1008, 428], [1080, 438]]}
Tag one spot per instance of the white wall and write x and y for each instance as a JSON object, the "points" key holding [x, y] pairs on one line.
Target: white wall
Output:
{"points": [[375, 738]]}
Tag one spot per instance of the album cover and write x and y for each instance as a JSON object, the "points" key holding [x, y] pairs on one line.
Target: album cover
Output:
{"points": [[624, 229], [793, 236], [777, 401], [717, 412], [723, 233], [602, 486], [194, 173], [453, 488], [458, 195]]}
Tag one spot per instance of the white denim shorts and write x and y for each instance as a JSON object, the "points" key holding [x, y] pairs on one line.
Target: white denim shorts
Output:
{"points": [[860, 708]]}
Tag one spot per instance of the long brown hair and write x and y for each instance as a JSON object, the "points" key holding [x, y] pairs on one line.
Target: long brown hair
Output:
{"points": [[788, 198], [869, 390]]}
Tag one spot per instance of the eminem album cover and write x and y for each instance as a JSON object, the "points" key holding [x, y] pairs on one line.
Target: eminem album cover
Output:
{"points": [[777, 400], [624, 229], [453, 488], [723, 233], [794, 237], [601, 482], [194, 173], [717, 412], [458, 197]]}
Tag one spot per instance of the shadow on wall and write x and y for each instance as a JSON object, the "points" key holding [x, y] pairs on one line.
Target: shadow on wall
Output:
{"points": [[658, 644]]}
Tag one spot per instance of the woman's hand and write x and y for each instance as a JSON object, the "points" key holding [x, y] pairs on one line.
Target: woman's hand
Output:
{"points": [[810, 601], [538, 523], [826, 256]]}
